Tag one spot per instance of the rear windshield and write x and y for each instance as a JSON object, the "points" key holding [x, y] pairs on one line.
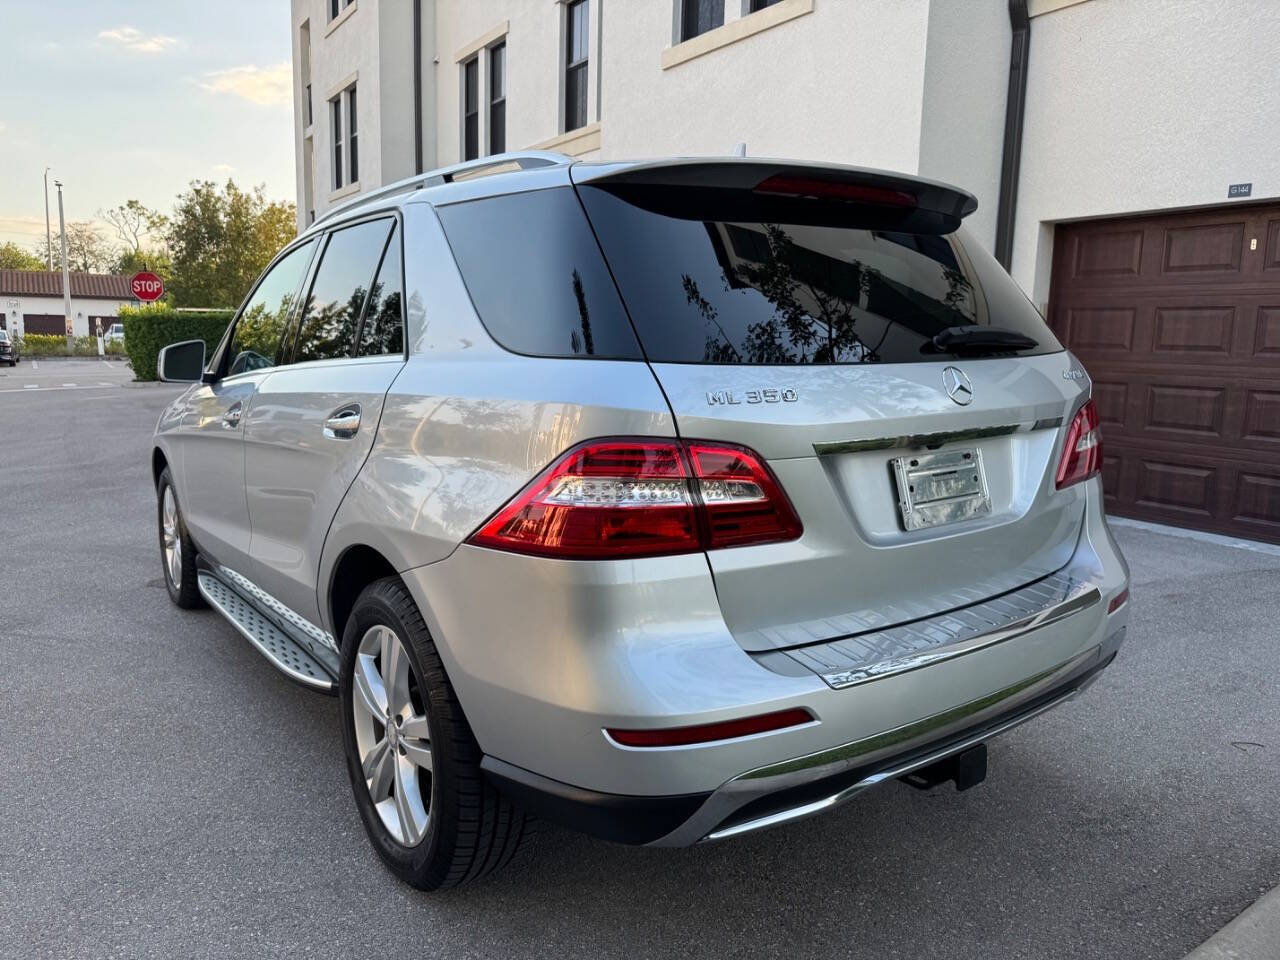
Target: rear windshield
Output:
{"points": [[724, 277]]}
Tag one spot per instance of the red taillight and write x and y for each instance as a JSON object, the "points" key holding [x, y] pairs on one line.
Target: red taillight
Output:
{"points": [[708, 732], [820, 189], [609, 499], [1118, 601], [741, 501], [1082, 453]]}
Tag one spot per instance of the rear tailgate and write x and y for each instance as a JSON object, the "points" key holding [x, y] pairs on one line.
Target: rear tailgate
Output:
{"points": [[801, 326]]}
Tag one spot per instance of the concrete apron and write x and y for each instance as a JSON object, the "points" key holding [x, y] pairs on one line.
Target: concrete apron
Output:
{"points": [[1254, 935]]}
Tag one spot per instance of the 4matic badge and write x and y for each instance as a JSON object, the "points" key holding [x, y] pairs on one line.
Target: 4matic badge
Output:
{"points": [[764, 395]]}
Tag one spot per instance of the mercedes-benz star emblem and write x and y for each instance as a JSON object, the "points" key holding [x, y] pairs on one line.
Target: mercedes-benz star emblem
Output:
{"points": [[957, 386]]}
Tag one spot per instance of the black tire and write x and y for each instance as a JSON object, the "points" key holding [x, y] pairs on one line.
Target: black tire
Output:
{"points": [[182, 590], [471, 828]]}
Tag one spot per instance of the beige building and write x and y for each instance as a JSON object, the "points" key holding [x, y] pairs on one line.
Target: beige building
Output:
{"points": [[1122, 152]]}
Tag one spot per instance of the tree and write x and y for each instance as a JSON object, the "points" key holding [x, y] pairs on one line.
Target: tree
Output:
{"points": [[133, 222], [87, 250], [221, 239], [13, 257]]}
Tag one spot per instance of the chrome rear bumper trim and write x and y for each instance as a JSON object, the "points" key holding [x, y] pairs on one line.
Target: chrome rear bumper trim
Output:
{"points": [[892, 773], [931, 440], [1002, 709], [1078, 598]]}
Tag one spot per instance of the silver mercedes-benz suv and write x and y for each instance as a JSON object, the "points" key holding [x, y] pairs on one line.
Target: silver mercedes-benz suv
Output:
{"points": [[667, 501]]}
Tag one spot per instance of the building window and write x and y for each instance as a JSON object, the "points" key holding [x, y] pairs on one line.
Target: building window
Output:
{"points": [[754, 6], [471, 109], [352, 153], [498, 98], [345, 142], [310, 116], [337, 6], [335, 118], [699, 16], [576, 45]]}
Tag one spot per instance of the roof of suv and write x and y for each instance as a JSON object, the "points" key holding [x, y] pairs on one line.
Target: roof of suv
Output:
{"points": [[510, 172]]}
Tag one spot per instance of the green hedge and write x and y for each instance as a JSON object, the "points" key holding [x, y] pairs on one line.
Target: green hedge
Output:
{"points": [[37, 345], [149, 329]]}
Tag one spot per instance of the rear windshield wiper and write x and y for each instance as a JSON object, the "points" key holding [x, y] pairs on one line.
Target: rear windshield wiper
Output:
{"points": [[978, 338]]}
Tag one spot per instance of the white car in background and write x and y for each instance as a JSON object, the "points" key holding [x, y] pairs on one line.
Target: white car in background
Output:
{"points": [[114, 333]]}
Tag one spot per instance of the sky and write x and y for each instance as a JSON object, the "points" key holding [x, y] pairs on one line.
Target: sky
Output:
{"points": [[133, 99]]}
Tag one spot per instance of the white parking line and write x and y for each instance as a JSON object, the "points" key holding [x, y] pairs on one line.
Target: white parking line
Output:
{"points": [[36, 386], [35, 364], [70, 384]]}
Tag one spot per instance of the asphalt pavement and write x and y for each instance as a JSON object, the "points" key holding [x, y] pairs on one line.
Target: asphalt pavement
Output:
{"points": [[164, 792]]}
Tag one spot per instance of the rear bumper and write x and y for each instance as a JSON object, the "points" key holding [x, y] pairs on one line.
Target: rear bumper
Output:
{"points": [[805, 786], [547, 655]]}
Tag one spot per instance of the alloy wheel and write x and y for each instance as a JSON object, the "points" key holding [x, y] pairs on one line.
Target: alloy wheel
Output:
{"points": [[171, 537], [392, 737]]}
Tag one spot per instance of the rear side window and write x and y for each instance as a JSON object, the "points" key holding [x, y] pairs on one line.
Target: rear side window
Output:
{"points": [[536, 277], [723, 280], [338, 293], [383, 328]]}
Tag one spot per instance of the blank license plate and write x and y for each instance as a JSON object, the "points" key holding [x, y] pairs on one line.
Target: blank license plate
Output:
{"points": [[938, 488]]}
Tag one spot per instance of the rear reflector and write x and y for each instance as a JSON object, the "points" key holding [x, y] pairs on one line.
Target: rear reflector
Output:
{"points": [[816, 188], [1082, 453], [708, 732], [626, 498], [1118, 601]]}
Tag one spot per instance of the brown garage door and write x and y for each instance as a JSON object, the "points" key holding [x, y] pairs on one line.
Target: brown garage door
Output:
{"points": [[1177, 319]]}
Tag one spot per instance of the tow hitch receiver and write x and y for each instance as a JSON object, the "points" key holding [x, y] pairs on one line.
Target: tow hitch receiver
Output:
{"points": [[968, 768]]}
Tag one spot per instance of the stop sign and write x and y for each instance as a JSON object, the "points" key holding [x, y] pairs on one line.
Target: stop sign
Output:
{"points": [[146, 287]]}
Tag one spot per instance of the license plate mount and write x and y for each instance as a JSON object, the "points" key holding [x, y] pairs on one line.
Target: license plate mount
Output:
{"points": [[940, 488]]}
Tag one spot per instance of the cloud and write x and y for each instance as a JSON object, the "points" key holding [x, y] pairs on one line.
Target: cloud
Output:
{"points": [[131, 38], [223, 169], [266, 86]]}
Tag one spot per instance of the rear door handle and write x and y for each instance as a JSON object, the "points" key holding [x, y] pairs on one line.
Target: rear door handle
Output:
{"points": [[343, 424], [231, 419]]}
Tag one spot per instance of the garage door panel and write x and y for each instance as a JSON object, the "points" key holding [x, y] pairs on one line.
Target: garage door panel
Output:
{"points": [[1101, 329], [1258, 503], [1112, 400], [1177, 487], [1107, 254], [1176, 317], [1207, 247], [1271, 260], [1262, 415], [1198, 330], [1190, 411], [1266, 342]]}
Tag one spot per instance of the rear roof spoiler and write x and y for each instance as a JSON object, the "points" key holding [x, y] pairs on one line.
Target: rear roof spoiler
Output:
{"points": [[787, 177]]}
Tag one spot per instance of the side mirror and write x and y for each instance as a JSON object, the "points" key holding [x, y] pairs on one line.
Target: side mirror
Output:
{"points": [[181, 362]]}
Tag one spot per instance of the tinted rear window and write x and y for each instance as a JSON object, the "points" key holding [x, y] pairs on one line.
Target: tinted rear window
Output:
{"points": [[536, 277], [718, 276]]}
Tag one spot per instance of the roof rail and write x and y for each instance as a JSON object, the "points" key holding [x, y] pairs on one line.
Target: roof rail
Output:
{"points": [[483, 167]]}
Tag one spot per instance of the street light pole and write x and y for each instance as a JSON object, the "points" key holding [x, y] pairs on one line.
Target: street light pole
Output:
{"points": [[66, 273], [48, 235]]}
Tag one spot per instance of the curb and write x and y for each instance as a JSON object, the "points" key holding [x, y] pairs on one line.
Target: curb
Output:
{"points": [[1254, 935]]}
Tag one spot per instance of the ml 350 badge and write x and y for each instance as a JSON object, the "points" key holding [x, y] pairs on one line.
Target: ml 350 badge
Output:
{"points": [[765, 395]]}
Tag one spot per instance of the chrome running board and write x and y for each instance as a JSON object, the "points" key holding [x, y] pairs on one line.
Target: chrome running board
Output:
{"points": [[281, 650]]}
